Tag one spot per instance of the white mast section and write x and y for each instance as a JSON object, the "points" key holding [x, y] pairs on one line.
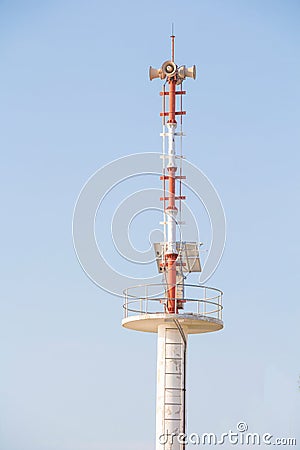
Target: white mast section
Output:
{"points": [[171, 213]]}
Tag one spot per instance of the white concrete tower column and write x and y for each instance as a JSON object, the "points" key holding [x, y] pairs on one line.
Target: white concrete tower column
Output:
{"points": [[170, 400]]}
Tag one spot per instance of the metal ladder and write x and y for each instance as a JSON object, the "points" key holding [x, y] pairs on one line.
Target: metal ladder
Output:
{"points": [[174, 374]]}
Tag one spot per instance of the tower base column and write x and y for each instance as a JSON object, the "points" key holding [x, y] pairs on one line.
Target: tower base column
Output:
{"points": [[170, 401]]}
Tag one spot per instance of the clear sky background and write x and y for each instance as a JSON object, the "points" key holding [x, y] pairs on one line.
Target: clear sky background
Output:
{"points": [[75, 95]]}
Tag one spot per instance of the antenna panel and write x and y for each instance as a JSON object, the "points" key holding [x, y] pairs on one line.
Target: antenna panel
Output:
{"points": [[188, 256]]}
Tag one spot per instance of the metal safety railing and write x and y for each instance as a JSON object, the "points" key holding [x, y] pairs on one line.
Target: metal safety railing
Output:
{"points": [[152, 299]]}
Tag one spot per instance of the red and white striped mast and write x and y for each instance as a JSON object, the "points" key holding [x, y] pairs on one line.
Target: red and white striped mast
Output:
{"points": [[174, 77], [170, 209]]}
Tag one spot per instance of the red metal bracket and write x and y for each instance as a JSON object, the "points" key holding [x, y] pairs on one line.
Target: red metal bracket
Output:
{"points": [[176, 93], [180, 197], [177, 113], [178, 177]]}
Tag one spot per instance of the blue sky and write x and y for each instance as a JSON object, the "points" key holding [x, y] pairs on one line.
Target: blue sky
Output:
{"points": [[74, 96]]}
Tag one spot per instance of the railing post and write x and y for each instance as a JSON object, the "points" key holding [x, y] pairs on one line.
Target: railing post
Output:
{"points": [[221, 308]]}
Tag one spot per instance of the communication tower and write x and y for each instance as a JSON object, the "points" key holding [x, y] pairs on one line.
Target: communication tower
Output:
{"points": [[173, 309]]}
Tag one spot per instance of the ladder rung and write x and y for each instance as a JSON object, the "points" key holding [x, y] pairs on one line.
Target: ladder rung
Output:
{"points": [[176, 359], [174, 404], [174, 389], [171, 329], [173, 373]]}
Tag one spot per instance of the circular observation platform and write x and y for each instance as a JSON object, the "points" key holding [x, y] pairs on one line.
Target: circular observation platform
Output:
{"points": [[198, 311]]}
